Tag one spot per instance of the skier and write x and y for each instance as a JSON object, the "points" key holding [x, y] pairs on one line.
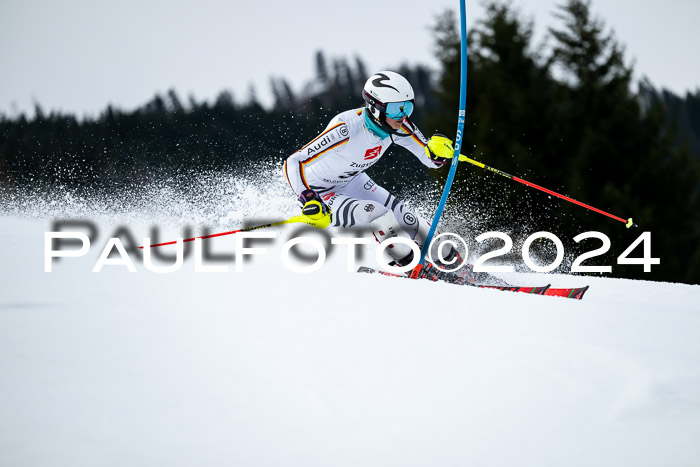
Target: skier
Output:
{"points": [[328, 174]]}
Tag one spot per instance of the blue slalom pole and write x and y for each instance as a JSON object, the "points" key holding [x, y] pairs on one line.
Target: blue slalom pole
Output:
{"points": [[458, 142]]}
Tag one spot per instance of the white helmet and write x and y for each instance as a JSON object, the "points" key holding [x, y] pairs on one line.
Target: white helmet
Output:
{"points": [[388, 94]]}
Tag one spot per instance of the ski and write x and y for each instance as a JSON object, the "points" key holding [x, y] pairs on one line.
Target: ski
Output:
{"points": [[575, 293], [528, 290]]}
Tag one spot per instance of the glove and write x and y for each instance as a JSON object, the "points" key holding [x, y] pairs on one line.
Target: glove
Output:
{"points": [[314, 211], [439, 149]]}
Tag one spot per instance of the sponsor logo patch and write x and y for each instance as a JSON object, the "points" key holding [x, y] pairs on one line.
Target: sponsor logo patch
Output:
{"points": [[328, 139], [373, 153], [409, 218]]}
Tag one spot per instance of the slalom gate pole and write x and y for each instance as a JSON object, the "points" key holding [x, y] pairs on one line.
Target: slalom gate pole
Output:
{"points": [[247, 229], [458, 141], [629, 222]]}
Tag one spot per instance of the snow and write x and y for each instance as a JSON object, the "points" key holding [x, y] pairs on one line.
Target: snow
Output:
{"points": [[269, 367]]}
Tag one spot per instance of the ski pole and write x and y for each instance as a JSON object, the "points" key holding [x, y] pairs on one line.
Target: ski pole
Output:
{"points": [[629, 223], [291, 220]]}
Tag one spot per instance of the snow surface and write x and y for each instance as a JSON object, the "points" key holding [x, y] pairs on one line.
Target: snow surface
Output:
{"points": [[269, 367]]}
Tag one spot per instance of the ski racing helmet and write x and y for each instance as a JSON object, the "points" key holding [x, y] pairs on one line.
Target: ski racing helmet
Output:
{"points": [[388, 94]]}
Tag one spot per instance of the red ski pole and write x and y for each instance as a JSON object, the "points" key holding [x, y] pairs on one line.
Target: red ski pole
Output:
{"points": [[629, 223], [304, 219]]}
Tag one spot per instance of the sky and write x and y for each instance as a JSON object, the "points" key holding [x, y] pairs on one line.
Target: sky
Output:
{"points": [[78, 56]]}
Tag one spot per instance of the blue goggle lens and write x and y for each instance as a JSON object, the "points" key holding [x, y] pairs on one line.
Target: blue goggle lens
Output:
{"points": [[399, 110]]}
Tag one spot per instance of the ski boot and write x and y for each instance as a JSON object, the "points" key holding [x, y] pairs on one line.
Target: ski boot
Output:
{"points": [[432, 271], [465, 275]]}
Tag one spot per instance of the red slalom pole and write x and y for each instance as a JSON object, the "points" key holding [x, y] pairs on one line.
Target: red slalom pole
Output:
{"points": [[628, 223]]}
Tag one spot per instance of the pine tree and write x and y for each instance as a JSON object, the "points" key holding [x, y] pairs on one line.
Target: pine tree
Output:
{"points": [[620, 158], [568, 121]]}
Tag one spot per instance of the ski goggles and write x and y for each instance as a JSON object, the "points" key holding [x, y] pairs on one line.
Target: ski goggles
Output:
{"points": [[399, 110]]}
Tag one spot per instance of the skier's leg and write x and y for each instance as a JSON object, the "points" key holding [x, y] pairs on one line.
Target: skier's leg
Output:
{"points": [[349, 211], [413, 225], [363, 202], [365, 188], [356, 205]]}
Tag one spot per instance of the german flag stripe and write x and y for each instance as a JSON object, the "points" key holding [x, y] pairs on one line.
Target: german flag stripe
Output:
{"points": [[322, 134], [313, 158], [303, 177], [415, 137], [418, 140]]}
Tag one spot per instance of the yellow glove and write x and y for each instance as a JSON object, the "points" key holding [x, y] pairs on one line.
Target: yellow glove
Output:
{"points": [[314, 211], [440, 149]]}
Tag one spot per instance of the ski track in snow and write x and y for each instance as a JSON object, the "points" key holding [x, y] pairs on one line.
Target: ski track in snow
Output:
{"points": [[268, 367]]}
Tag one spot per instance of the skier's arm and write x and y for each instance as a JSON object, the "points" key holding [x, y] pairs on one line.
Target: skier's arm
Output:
{"points": [[331, 140], [293, 171], [417, 144]]}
